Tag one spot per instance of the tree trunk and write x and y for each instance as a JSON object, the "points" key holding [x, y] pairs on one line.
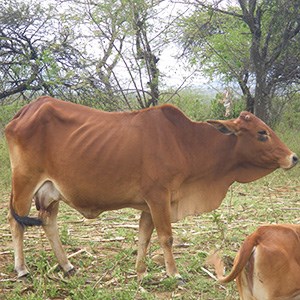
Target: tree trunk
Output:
{"points": [[145, 53], [262, 109], [262, 100], [250, 103]]}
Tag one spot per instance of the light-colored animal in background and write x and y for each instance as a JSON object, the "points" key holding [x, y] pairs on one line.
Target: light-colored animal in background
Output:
{"points": [[267, 266]]}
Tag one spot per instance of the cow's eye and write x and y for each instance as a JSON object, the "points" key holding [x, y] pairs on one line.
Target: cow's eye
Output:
{"points": [[262, 132], [262, 135]]}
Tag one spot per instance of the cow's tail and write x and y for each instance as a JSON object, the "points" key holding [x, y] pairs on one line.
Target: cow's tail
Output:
{"points": [[24, 221], [240, 261]]}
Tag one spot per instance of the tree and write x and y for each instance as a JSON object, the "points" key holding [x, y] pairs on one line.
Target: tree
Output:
{"points": [[254, 44], [19, 58], [102, 53], [36, 52], [132, 32]]}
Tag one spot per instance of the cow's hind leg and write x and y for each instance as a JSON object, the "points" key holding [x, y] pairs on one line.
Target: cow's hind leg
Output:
{"points": [[47, 201], [145, 231], [17, 232], [51, 229], [20, 204]]}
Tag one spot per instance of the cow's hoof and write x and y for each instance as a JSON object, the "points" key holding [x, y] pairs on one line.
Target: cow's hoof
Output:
{"points": [[24, 277], [141, 276], [180, 280], [70, 272], [23, 274]]}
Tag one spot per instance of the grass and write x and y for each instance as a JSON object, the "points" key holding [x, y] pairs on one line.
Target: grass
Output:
{"points": [[104, 249]]}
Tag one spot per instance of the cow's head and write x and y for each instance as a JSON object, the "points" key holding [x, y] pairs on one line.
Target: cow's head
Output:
{"points": [[257, 143]]}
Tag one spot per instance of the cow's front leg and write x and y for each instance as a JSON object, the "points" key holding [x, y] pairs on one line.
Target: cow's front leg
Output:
{"points": [[49, 218], [160, 207], [145, 231]]}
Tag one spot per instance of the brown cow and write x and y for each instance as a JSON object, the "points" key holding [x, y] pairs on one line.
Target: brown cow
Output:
{"points": [[267, 266], [155, 160]]}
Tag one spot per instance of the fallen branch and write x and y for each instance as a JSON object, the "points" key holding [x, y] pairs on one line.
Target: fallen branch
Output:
{"points": [[6, 252], [212, 276], [122, 226], [9, 280], [116, 239], [209, 273]]}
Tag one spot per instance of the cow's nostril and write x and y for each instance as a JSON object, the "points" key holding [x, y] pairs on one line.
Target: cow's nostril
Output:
{"points": [[295, 159]]}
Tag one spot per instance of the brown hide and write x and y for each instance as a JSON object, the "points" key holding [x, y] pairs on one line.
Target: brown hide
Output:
{"points": [[155, 160], [267, 267]]}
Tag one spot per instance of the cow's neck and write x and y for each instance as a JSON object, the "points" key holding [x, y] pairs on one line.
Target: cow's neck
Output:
{"points": [[216, 157], [211, 153], [248, 173]]}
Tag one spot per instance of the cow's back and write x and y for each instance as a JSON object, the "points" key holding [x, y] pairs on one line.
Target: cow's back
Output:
{"points": [[91, 154]]}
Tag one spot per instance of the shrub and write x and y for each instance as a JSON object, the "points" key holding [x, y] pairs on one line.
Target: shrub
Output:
{"points": [[7, 112], [193, 103]]}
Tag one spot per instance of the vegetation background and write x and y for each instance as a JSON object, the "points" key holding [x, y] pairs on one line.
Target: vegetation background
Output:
{"points": [[125, 54], [112, 55]]}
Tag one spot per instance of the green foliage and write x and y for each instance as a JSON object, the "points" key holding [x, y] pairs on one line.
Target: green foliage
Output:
{"points": [[219, 43], [291, 114], [4, 165], [193, 103], [200, 107], [7, 112], [103, 53], [218, 110], [254, 48]]}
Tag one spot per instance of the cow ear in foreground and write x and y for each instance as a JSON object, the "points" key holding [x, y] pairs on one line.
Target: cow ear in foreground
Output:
{"points": [[226, 127]]}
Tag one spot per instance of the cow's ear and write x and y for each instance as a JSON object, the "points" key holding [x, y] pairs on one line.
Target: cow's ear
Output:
{"points": [[226, 127]]}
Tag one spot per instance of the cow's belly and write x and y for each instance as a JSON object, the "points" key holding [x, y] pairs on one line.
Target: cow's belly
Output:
{"points": [[90, 203], [91, 213], [92, 208]]}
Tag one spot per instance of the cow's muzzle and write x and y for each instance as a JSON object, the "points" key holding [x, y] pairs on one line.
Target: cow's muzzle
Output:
{"points": [[290, 162]]}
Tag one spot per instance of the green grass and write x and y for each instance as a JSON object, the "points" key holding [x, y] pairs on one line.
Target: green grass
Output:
{"points": [[104, 249]]}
